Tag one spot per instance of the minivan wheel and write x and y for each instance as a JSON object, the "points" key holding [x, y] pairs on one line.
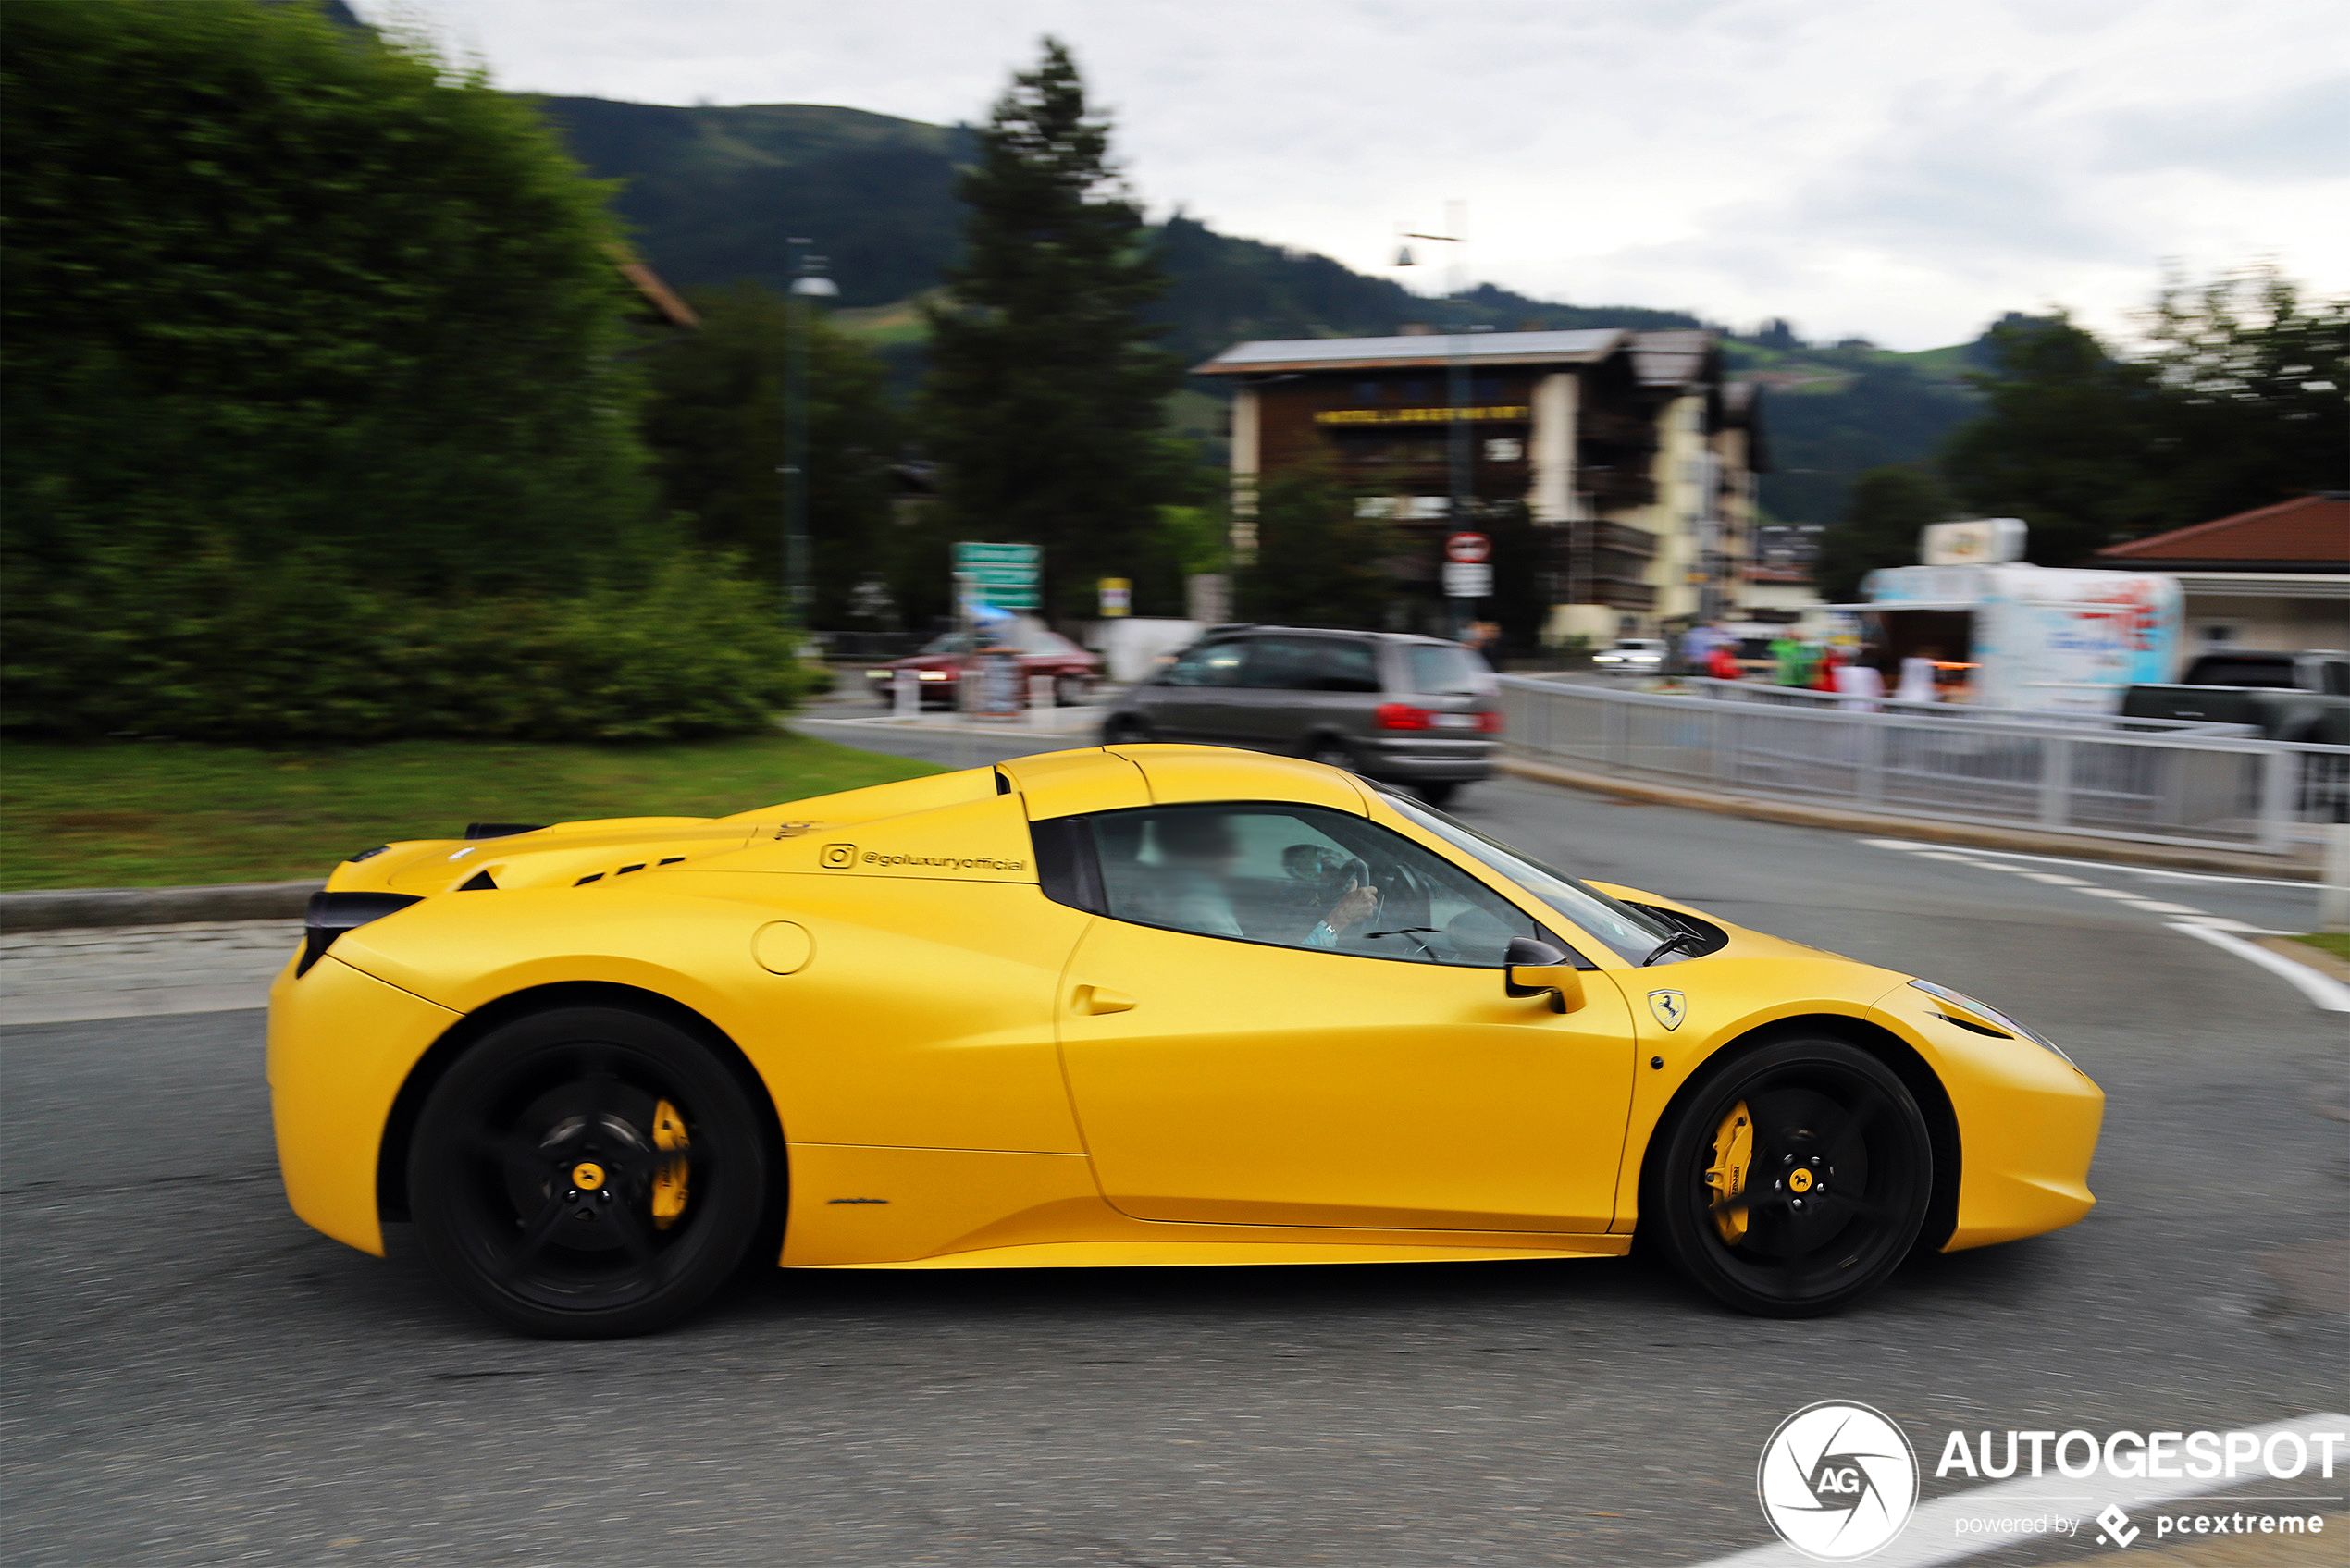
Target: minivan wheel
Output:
{"points": [[1331, 753], [1436, 792]]}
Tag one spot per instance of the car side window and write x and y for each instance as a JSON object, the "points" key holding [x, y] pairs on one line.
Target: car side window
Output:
{"points": [[1208, 664], [1453, 672], [1310, 665], [1299, 876]]}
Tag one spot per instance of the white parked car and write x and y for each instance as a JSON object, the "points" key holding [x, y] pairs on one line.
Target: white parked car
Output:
{"points": [[1631, 656]]}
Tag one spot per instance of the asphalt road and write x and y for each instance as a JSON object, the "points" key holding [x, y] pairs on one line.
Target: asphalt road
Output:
{"points": [[191, 1376]]}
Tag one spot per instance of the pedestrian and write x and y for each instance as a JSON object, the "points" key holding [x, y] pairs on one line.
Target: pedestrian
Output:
{"points": [[1861, 683], [1696, 647], [1917, 677], [1790, 659]]}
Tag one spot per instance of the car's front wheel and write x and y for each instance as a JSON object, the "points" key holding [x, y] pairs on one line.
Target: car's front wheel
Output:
{"points": [[1794, 1178], [588, 1172]]}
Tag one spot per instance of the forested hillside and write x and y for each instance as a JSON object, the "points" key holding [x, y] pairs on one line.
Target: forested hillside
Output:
{"points": [[713, 192]]}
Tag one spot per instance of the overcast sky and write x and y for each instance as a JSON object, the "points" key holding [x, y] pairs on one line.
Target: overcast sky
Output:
{"points": [[1901, 169]]}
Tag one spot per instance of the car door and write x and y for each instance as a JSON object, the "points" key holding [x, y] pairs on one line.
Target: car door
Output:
{"points": [[1190, 699], [1240, 1048], [1309, 686]]}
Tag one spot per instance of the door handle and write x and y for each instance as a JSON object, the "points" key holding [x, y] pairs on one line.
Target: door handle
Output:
{"points": [[1097, 999]]}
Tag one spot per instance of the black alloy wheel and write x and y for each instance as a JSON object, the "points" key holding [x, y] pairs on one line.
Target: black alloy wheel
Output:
{"points": [[1436, 792], [1069, 691], [1330, 752], [588, 1173], [1795, 1179]]}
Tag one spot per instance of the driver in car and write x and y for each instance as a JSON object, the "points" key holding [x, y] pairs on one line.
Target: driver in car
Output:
{"points": [[1193, 888]]}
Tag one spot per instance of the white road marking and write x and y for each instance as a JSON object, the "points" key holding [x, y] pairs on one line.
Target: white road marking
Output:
{"points": [[2324, 989], [2101, 864], [1931, 1535]]}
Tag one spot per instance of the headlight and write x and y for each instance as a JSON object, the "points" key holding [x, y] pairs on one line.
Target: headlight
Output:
{"points": [[1959, 999]]}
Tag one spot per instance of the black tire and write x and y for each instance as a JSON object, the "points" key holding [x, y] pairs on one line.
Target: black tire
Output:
{"points": [[1330, 752], [1069, 691], [500, 1184], [1124, 731], [1850, 1126], [1436, 792]]}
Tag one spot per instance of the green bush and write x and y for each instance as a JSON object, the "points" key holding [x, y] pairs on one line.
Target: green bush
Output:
{"points": [[302, 651]]}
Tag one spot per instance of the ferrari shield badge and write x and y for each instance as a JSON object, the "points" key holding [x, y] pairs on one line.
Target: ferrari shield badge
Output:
{"points": [[1670, 1008]]}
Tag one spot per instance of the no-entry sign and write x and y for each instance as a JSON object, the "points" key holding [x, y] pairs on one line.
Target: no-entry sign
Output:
{"points": [[1467, 549]]}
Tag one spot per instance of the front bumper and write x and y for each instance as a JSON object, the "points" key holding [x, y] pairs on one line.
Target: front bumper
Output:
{"points": [[341, 1043]]}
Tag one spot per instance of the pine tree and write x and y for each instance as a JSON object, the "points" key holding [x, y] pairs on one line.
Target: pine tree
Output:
{"points": [[1043, 406], [1880, 527]]}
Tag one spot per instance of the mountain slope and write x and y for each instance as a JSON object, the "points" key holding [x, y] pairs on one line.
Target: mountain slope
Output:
{"points": [[714, 192]]}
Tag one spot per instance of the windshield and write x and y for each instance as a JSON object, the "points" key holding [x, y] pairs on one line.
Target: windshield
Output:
{"points": [[1630, 934]]}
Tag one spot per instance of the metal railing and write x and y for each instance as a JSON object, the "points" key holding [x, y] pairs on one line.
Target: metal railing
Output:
{"points": [[2152, 780]]}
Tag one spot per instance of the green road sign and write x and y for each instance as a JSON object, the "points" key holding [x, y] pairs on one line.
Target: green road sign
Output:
{"points": [[1004, 576]]}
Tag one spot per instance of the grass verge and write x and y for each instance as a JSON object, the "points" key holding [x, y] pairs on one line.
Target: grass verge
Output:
{"points": [[2334, 942], [172, 813]]}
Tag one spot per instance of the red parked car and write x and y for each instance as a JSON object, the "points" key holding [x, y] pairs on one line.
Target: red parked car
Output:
{"points": [[1041, 652]]}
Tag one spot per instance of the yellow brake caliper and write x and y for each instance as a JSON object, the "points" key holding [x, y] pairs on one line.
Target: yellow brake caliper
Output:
{"points": [[669, 1177], [1733, 1148]]}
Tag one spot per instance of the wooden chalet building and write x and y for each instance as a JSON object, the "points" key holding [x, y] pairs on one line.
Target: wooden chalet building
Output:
{"points": [[1628, 449]]}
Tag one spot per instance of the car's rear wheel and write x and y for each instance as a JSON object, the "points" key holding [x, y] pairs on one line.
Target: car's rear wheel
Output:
{"points": [[1795, 1178], [1069, 690], [588, 1172], [1330, 752], [1438, 793]]}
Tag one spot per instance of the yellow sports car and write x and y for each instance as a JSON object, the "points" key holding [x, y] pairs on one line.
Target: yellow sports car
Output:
{"points": [[1134, 1005]]}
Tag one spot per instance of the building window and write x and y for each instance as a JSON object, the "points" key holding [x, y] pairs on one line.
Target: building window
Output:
{"points": [[1369, 391]]}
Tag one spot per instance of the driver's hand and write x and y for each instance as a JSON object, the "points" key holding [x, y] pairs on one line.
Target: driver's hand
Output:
{"points": [[1355, 909]]}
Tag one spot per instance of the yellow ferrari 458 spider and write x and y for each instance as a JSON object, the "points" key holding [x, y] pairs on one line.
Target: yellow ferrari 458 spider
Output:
{"points": [[1135, 1004]]}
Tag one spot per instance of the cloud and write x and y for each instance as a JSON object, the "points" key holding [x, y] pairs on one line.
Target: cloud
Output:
{"points": [[1903, 171]]}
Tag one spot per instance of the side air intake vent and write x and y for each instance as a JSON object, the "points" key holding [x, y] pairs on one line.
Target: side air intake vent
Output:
{"points": [[477, 882], [499, 830]]}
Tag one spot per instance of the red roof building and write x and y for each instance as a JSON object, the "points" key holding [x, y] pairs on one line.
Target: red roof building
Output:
{"points": [[2275, 578], [2307, 534]]}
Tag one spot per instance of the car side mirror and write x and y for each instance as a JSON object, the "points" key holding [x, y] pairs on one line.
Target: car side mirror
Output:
{"points": [[1537, 968]]}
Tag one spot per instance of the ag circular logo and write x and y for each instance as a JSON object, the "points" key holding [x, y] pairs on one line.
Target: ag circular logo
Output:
{"points": [[1837, 1481]]}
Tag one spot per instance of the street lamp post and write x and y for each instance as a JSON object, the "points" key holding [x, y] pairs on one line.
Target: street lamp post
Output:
{"points": [[809, 284], [1460, 459]]}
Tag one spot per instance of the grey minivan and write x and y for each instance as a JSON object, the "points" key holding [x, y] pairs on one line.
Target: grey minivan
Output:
{"points": [[1409, 710]]}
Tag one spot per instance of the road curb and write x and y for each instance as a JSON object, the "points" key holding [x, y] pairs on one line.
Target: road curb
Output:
{"points": [[1975, 834], [53, 909]]}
